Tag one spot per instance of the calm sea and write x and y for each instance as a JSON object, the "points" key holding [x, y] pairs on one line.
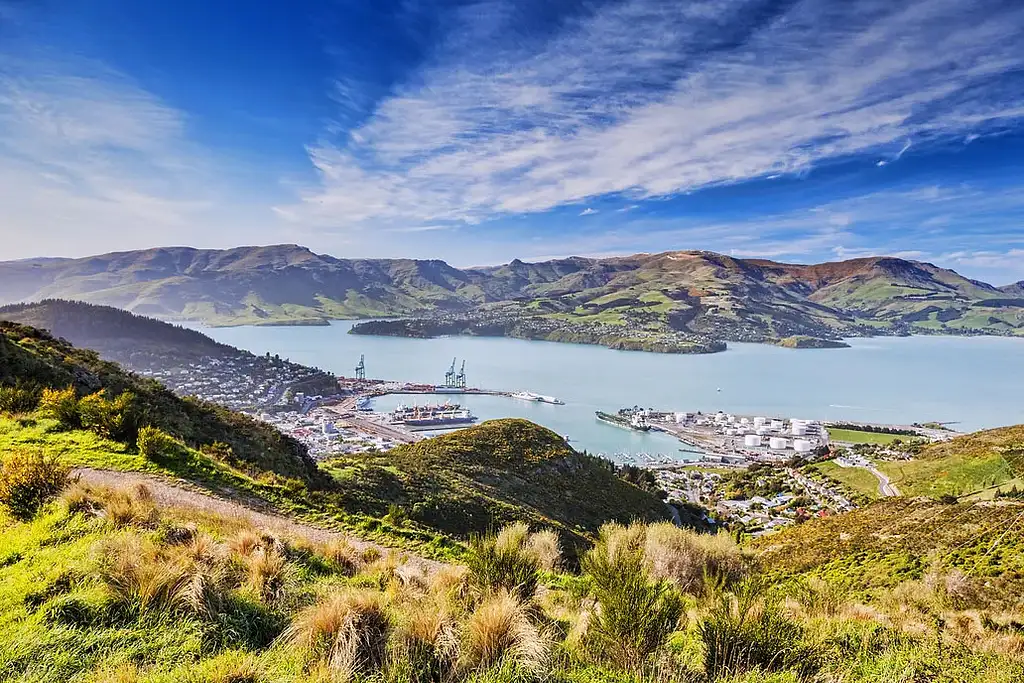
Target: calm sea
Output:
{"points": [[974, 382]]}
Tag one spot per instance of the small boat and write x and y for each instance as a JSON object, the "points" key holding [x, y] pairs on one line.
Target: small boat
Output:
{"points": [[537, 398]]}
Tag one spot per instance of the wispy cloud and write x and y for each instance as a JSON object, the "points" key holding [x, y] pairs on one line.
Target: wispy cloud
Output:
{"points": [[649, 99], [588, 211], [91, 162]]}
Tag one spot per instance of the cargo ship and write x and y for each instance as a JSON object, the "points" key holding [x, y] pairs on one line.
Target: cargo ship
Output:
{"points": [[431, 416], [627, 419], [537, 398]]}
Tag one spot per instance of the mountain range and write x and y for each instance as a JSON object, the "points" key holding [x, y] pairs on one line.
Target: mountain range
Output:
{"points": [[685, 294]]}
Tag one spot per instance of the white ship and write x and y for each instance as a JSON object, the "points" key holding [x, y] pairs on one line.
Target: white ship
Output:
{"points": [[537, 398]]}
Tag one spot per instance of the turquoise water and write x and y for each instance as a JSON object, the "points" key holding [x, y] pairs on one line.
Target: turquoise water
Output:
{"points": [[976, 382]]}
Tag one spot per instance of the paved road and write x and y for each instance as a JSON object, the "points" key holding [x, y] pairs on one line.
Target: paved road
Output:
{"points": [[885, 486], [176, 494]]}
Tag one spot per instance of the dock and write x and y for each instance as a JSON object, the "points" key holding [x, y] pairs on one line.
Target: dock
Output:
{"points": [[347, 417]]}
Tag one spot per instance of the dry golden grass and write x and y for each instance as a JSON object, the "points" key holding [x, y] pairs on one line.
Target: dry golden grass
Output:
{"points": [[121, 673], [341, 555], [547, 548], [347, 632], [500, 633], [267, 574], [689, 559], [426, 640]]}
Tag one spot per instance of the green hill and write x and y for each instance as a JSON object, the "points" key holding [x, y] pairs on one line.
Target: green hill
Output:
{"points": [[36, 359], [899, 539], [976, 464], [494, 473], [638, 300]]}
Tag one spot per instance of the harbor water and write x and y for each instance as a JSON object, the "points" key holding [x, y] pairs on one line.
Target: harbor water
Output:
{"points": [[974, 382]]}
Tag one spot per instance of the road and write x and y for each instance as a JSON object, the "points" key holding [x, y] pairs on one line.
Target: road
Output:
{"points": [[885, 486], [170, 493]]}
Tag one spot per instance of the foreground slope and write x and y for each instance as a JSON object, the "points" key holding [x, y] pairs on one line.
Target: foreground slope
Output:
{"points": [[35, 358], [698, 294]]}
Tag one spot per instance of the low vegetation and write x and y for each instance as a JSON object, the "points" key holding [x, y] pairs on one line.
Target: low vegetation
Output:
{"points": [[102, 585]]}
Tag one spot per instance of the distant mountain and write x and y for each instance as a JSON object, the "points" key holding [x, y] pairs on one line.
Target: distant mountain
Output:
{"points": [[695, 295], [1015, 290]]}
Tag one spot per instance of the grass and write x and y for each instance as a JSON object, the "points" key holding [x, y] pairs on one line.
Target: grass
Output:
{"points": [[965, 465], [856, 479], [856, 436], [171, 598]]}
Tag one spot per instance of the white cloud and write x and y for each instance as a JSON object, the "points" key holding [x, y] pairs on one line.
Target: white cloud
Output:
{"points": [[90, 162], [639, 98], [588, 211]]}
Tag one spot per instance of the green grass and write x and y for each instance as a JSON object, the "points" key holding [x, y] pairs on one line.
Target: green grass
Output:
{"points": [[857, 436], [856, 479], [963, 465]]}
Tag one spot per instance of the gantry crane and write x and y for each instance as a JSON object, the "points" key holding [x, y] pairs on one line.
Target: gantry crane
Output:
{"points": [[460, 379], [449, 377], [361, 368]]}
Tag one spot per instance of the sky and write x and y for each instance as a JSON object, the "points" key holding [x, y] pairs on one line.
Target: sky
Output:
{"points": [[482, 131]]}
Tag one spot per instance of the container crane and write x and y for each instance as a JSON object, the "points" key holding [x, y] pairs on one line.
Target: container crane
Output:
{"points": [[460, 379], [449, 377], [361, 368]]}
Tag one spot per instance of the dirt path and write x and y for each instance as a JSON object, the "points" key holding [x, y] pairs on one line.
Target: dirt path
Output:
{"points": [[168, 493]]}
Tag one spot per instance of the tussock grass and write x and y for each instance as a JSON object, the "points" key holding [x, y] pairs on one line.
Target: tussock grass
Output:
{"points": [[505, 562], [690, 560], [347, 632], [499, 633]]}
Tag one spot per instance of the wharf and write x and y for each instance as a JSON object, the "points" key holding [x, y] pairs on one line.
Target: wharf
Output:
{"points": [[347, 417]]}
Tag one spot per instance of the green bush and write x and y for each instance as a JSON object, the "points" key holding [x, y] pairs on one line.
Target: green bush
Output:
{"points": [[745, 632], [116, 418], [28, 479], [504, 562], [154, 443], [20, 398], [636, 614], [62, 405]]}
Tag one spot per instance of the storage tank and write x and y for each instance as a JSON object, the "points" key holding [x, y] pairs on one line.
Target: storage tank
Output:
{"points": [[751, 441], [778, 443], [801, 445], [729, 431], [680, 418], [761, 431], [731, 419], [798, 429], [759, 421], [776, 424], [744, 421]]}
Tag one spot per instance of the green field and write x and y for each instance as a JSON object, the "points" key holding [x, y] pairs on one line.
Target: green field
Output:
{"points": [[857, 436], [856, 479], [951, 475]]}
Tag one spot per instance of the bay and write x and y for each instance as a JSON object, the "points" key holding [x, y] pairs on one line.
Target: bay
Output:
{"points": [[976, 382]]}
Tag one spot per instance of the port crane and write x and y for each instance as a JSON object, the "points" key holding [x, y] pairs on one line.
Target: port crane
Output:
{"points": [[449, 377], [361, 368], [460, 379]]}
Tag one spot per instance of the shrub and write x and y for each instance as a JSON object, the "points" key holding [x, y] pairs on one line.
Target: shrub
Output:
{"points": [[20, 398], [61, 405], [636, 613], [117, 419], [28, 479], [396, 515], [504, 562], [154, 443], [348, 630], [744, 632], [690, 559], [499, 633]]}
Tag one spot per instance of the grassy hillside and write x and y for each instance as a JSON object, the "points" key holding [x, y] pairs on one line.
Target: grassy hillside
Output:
{"points": [[104, 585], [695, 295], [979, 463], [35, 359], [498, 472], [898, 539]]}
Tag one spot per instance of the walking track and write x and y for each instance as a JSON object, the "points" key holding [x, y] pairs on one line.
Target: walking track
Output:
{"points": [[170, 494]]}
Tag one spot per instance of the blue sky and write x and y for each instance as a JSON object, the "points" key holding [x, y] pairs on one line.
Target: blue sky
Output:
{"points": [[484, 131]]}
